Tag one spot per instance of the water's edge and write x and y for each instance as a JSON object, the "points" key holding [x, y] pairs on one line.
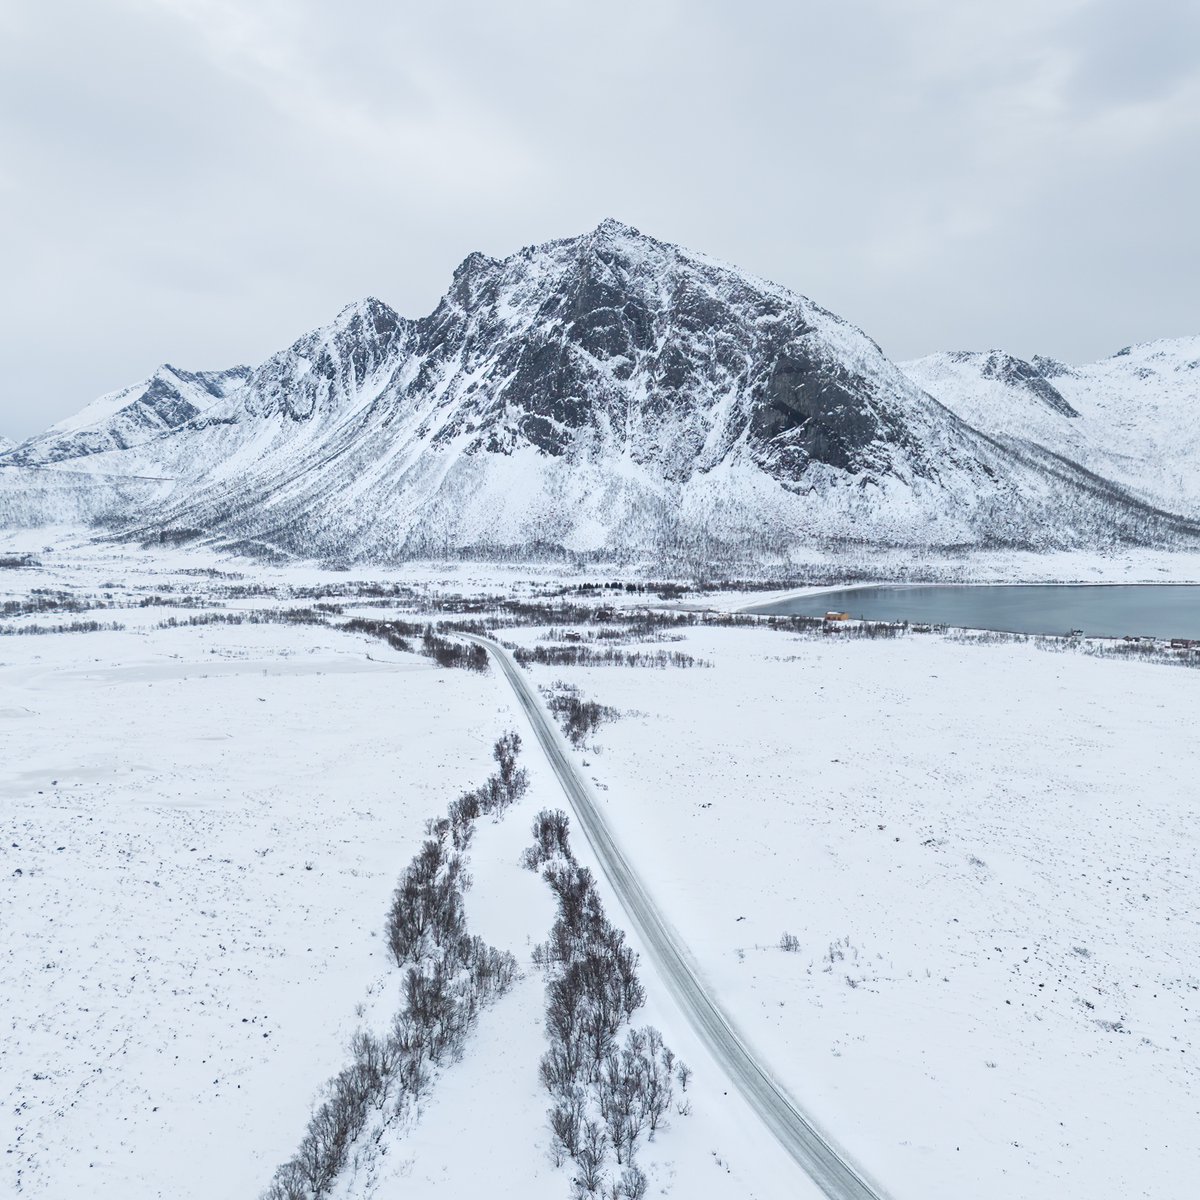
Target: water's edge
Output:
{"points": [[1159, 610]]}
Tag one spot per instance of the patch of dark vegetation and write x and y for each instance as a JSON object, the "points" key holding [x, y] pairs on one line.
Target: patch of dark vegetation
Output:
{"points": [[71, 627], [397, 634], [172, 537], [578, 717], [359, 589], [255, 616], [607, 1093], [157, 600], [446, 652], [46, 600], [14, 562], [581, 655], [211, 573], [449, 977]]}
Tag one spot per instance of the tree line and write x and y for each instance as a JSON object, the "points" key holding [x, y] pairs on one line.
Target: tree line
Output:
{"points": [[449, 975], [608, 1092]]}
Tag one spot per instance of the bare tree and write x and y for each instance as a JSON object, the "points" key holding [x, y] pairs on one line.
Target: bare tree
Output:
{"points": [[565, 1120], [633, 1183], [592, 1155]]}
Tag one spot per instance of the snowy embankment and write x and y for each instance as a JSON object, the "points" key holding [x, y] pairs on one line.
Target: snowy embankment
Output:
{"points": [[986, 856]]}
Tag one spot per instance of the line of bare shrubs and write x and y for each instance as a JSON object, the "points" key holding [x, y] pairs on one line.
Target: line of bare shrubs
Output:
{"points": [[633, 632], [251, 616], [590, 656], [446, 652], [607, 1093], [1146, 649], [72, 627], [46, 600], [449, 976]]}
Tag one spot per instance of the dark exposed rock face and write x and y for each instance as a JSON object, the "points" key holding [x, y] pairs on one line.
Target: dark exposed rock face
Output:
{"points": [[1050, 368], [616, 339], [812, 411], [1030, 377]]}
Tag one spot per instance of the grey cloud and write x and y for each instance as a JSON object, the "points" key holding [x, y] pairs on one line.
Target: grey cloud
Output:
{"points": [[202, 180], [1127, 54]]}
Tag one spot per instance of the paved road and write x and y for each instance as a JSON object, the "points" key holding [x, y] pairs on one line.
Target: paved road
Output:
{"points": [[828, 1169]]}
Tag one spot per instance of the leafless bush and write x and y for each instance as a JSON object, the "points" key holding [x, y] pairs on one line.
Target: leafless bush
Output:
{"points": [[633, 1184], [592, 1153], [450, 975], [579, 718], [550, 829], [592, 991]]}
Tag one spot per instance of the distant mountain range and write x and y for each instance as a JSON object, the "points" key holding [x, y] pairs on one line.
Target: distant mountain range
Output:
{"points": [[617, 395]]}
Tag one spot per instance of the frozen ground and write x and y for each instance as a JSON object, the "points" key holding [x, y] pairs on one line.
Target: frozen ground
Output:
{"points": [[68, 554], [201, 831], [989, 857]]}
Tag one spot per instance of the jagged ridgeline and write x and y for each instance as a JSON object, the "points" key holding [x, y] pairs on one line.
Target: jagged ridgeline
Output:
{"points": [[608, 394]]}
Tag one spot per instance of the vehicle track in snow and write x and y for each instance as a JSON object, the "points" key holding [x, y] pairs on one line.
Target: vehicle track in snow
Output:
{"points": [[828, 1168]]}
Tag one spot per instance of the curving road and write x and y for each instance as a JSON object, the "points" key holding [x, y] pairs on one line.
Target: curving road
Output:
{"points": [[825, 1165]]}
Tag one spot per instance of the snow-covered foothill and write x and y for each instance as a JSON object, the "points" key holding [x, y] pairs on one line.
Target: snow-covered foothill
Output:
{"points": [[1133, 417]]}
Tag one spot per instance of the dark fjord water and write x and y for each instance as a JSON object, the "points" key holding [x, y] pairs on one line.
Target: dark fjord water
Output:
{"points": [[1154, 610]]}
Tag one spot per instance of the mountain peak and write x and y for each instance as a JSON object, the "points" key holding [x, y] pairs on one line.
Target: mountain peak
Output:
{"points": [[369, 310], [610, 228]]}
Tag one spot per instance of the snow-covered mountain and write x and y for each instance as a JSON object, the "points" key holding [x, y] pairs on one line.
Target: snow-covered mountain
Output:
{"points": [[131, 416], [1133, 418], [607, 392], [5, 444]]}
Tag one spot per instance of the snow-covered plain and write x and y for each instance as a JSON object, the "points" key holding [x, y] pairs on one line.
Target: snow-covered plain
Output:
{"points": [[989, 856], [201, 831], [179, 983]]}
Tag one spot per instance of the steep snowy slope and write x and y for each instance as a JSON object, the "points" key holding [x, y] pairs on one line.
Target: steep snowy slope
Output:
{"points": [[95, 466], [610, 393], [5, 444], [131, 416], [1134, 418]]}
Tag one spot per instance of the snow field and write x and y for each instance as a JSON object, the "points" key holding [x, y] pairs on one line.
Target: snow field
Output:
{"points": [[201, 829], [483, 1131], [207, 826], [988, 856]]}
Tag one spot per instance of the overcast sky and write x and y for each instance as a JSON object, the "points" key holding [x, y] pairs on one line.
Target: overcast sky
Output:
{"points": [[200, 181]]}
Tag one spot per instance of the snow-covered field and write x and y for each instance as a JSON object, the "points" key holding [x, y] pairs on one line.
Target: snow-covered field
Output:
{"points": [[201, 830], [988, 856]]}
